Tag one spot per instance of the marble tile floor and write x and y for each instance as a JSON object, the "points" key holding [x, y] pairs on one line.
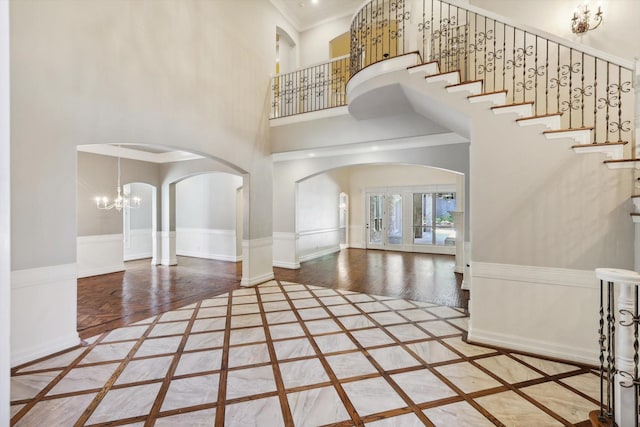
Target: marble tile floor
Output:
{"points": [[284, 354]]}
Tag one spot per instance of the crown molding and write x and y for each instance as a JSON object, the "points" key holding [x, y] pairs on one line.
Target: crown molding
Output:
{"points": [[128, 153]]}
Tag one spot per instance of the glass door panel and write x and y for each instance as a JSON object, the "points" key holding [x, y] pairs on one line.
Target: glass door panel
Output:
{"points": [[445, 229], [423, 219], [394, 219], [375, 225]]}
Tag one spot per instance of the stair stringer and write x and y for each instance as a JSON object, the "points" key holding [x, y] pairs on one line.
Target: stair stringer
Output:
{"points": [[538, 213]]}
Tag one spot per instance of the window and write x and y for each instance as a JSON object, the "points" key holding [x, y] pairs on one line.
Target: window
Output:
{"points": [[432, 220]]}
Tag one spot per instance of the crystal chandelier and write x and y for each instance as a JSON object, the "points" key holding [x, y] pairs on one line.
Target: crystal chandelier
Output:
{"points": [[122, 200], [582, 20]]}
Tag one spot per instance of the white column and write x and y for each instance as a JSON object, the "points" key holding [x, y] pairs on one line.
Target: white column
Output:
{"points": [[5, 223], [458, 221], [257, 245], [636, 134], [626, 397], [168, 234]]}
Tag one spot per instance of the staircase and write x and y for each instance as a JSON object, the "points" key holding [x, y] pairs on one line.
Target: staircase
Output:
{"points": [[523, 113], [551, 89]]}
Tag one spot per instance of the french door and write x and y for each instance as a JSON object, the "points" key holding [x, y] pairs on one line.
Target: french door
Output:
{"points": [[384, 221]]}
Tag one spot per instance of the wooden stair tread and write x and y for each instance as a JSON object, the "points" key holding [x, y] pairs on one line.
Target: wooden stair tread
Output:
{"points": [[517, 104], [569, 130], [622, 161], [442, 74], [464, 83], [425, 63], [487, 93], [636, 196], [599, 144], [539, 117]]}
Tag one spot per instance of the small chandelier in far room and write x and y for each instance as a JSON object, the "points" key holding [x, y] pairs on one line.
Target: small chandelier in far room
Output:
{"points": [[122, 200], [583, 18]]}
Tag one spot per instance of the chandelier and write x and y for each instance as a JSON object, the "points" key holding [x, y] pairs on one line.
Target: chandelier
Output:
{"points": [[582, 20], [122, 200]]}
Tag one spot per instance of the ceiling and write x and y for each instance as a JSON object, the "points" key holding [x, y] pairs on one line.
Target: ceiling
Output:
{"points": [[305, 14]]}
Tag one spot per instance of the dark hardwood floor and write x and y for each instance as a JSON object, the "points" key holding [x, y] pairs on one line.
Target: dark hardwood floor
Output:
{"points": [[113, 300]]}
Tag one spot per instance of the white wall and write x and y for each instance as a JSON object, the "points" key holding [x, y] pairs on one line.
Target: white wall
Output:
{"points": [[206, 216], [5, 223], [138, 237], [314, 43], [317, 215]]}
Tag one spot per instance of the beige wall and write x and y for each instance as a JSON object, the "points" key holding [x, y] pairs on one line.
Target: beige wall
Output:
{"points": [[314, 43], [618, 34], [5, 224], [160, 72], [97, 176], [185, 74]]}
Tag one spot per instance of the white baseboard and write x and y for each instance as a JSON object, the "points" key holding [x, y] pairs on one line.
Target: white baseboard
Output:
{"points": [[44, 349], [141, 255], [206, 255], [543, 348], [314, 255], [253, 281], [97, 271], [289, 265]]}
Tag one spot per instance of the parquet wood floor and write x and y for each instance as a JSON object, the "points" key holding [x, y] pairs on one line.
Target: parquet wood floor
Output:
{"points": [[114, 300]]}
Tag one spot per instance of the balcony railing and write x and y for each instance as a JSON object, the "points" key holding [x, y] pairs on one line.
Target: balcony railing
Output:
{"points": [[587, 90], [310, 89]]}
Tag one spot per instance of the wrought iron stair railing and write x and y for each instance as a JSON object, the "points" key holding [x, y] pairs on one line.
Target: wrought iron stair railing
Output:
{"points": [[588, 90], [310, 89]]}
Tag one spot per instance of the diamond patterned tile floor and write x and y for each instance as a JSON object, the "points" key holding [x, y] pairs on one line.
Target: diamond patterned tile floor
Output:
{"points": [[285, 354]]}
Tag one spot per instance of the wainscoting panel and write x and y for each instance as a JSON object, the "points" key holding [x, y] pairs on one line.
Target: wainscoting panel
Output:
{"points": [[207, 243], [552, 312], [100, 254], [43, 312], [140, 245]]}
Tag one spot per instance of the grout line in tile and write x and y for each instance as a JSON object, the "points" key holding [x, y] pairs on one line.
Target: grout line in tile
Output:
{"points": [[224, 365], [385, 374], [84, 417], [351, 410], [42, 393], [157, 404], [277, 374]]}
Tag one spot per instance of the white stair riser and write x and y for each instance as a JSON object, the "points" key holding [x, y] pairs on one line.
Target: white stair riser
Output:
{"points": [[625, 165], [426, 69], [521, 110], [551, 122], [449, 78], [474, 88], [580, 136], [494, 98], [613, 152]]}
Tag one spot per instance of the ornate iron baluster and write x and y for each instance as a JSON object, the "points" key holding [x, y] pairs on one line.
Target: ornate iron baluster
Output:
{"points": [[604, 413]]}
